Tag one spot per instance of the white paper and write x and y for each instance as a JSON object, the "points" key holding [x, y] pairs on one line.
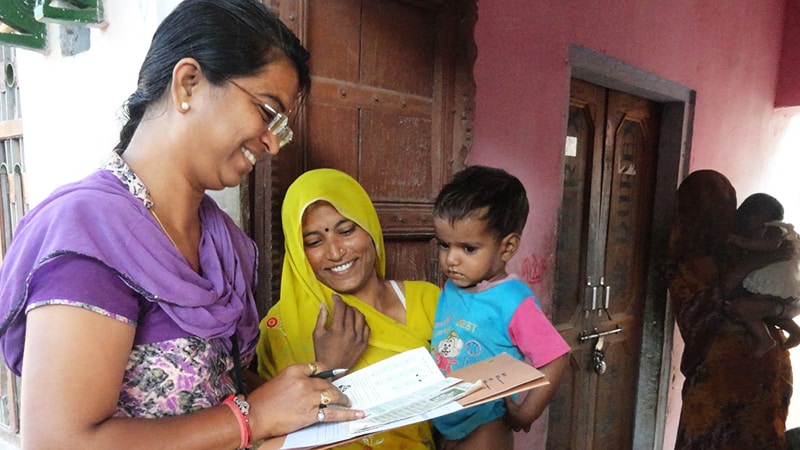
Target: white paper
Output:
{"points": [[571, 146], [392, 378], [422, 401], [409, 388], [329, 433], [400, 390]]}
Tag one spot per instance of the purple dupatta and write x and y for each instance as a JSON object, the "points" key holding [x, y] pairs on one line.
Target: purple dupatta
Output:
{"points": [[99, 218]]}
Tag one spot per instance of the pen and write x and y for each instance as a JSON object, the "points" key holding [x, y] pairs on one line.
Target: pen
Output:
{"points": [[329, 373]]}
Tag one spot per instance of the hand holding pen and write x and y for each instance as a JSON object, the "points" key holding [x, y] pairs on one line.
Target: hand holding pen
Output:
{"points": [[325, 374]]}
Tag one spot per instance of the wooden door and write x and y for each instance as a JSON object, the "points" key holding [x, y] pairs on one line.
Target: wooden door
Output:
{"points": [[391, 104], [601, 264]]}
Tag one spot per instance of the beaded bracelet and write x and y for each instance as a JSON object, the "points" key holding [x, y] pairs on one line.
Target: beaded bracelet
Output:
{"points": [[241, 409]]}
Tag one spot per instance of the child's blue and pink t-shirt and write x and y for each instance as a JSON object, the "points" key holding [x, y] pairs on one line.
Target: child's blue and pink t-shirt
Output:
{"points": [[481, 322]]}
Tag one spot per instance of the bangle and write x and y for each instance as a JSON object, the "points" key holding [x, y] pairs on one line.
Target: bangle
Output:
{"points": [[241, 409]]}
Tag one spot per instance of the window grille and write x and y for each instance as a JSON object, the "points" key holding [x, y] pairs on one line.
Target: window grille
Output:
{"points": [[13, 204]]}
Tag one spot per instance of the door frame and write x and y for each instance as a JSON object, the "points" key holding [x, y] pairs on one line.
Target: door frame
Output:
{"points": [[674, 146]]}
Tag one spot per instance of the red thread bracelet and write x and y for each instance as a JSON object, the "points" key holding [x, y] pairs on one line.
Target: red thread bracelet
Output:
{"points": [[241, 409]]}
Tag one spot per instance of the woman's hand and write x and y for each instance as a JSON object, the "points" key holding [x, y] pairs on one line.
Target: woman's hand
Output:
{"points": [[341, 344], [292, 400]]}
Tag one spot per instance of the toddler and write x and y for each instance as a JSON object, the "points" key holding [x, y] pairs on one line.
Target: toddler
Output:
{"points": [[759, 227], [483, 311]]}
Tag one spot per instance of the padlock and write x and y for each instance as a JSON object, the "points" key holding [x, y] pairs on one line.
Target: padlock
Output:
{"points": [[599, 364], [598, 357]]}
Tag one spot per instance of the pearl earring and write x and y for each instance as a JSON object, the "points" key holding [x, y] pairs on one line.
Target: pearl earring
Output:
{"points": [[185, 106]]}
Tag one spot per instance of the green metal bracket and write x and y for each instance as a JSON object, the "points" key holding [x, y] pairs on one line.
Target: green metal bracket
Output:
{"points": [[19, 27], [70, 12]]}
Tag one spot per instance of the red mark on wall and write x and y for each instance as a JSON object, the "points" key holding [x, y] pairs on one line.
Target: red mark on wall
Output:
{"points": [[533, 269]]}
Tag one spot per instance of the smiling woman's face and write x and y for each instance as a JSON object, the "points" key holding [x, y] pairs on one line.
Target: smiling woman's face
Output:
{"points": [[341, 254]]}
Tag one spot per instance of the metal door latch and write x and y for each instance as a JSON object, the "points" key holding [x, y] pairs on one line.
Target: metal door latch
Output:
{"points": [[584, 336], [598, 358]]}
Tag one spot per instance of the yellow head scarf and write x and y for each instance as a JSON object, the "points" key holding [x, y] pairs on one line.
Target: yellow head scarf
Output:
{"points": [[286, 331], [287, 328]]}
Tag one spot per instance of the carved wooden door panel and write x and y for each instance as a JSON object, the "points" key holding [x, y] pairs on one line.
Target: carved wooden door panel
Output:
{"points": [[390, 104], [609, 180]]}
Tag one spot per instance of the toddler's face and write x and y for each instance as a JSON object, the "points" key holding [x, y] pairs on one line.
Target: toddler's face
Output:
{"points": [[754, 225], [468, 252]]}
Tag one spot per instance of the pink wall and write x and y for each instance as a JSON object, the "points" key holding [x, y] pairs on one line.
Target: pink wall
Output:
{"points": [[727, 51]]}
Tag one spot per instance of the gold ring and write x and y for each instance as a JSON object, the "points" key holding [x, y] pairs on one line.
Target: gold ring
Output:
{"points": [[312, 367], [324, 398], [321, 415]]}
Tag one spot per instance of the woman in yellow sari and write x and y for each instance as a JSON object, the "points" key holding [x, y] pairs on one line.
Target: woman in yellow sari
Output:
{"points": [[335, 249]]}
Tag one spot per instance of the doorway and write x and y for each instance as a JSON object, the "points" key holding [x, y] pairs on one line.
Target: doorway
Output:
{"points": [[610, 299], [604, 225]]}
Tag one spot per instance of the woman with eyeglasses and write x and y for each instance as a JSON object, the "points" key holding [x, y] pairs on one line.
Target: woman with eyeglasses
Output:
{"points": [[126, 298]]}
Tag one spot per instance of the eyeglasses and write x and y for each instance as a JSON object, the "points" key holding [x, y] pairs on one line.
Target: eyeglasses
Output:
{"points": [[278, 121]]}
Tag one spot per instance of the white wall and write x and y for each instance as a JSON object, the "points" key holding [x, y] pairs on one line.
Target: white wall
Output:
{"points": [[783, 182], [783, 174], [70, 105]]}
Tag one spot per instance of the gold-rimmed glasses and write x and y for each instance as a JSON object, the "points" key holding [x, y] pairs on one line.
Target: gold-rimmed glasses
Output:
{"points": [[277, 122]]}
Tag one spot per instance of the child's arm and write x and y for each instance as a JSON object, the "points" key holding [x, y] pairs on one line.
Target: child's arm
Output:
{"points": [[771, 239], [541, 343], [520, 416], [734, 275], [754, 307]]}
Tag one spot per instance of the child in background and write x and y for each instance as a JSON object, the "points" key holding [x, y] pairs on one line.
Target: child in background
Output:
{"points": [[483, 311], [759, 227]]}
